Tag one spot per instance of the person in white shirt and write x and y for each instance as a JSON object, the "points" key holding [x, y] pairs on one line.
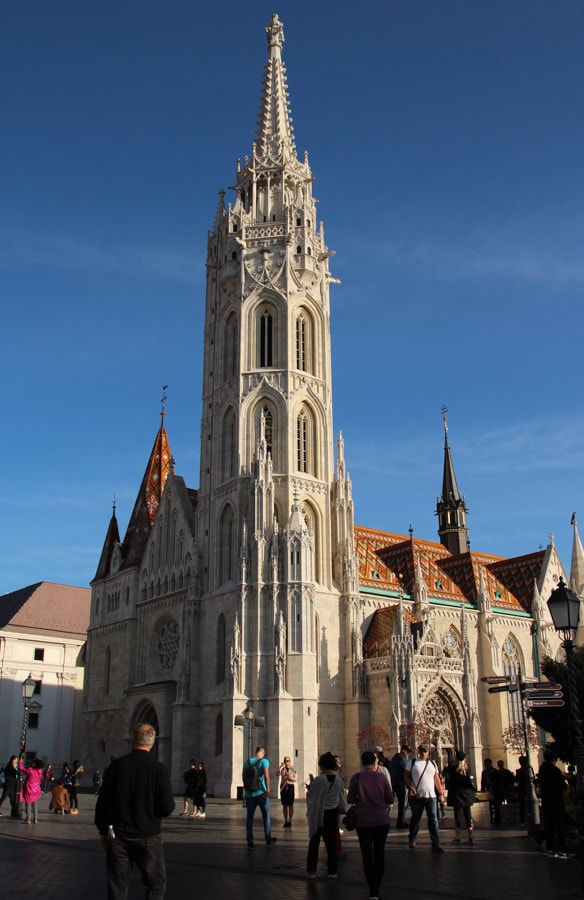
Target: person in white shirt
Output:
{"points": [[422, 780]]}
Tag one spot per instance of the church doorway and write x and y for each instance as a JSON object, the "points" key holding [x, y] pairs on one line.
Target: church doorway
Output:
{"points": [[146, 713], [441, 716]]}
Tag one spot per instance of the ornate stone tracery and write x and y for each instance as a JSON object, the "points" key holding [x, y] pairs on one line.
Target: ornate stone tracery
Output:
{"points": [[168, 643]]}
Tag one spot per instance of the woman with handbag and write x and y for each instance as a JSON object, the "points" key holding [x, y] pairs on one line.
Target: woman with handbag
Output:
{"points": [[371, 792], [461, 796]]}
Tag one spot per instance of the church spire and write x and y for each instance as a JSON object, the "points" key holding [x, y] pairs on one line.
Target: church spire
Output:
{"points": [[148, 500], [577, 563], [275, 135], [451, 508], [112, 540]]}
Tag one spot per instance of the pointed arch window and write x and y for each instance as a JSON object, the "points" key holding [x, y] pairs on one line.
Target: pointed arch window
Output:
{"points": [[312, 555], [303, 343], [228, 446], [230, 348], [106, 671], [219, 734], [268, 430], [266, 337], [305, 456], [220, 671], [226, 545], [511, 658], [317, 646]]}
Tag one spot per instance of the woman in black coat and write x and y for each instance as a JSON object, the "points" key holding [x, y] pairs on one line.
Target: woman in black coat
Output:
{"points": [[12, 781], [461, 796]]}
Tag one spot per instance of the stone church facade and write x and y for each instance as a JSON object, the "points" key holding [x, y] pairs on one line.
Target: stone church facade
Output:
{"points": [[257, 589]]}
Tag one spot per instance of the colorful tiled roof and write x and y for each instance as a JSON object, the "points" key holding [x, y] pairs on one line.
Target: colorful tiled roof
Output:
{"points": [[390, 561], [148, 500], [377, 641], [519, 575]]}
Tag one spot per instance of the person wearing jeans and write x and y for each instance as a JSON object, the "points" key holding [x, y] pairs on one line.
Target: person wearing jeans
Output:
{"points": [[422, 780], [258, 797]]}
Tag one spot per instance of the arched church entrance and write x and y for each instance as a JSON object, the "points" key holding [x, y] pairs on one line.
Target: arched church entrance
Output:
{"points": [[146, 713], [444, 719]]}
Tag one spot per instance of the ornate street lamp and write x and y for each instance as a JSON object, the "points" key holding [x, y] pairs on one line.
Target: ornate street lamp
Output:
{"points": [[28, 689], [564, 607], [249, 721]]}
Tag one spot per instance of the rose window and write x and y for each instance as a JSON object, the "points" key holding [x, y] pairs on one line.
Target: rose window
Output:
{"points": [[168, 641]]}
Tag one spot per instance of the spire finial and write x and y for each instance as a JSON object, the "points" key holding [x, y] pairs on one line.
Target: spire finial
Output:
{"points": [[275, 33], [163, 400], [114, 505], [444, 412]]}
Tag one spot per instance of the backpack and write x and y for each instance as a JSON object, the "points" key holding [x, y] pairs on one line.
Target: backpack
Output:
{"points": [[251, 778]]}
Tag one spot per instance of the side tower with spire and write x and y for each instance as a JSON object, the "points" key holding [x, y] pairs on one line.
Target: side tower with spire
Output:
{"points": [[451, 507], [140, 599], [267, 461]]}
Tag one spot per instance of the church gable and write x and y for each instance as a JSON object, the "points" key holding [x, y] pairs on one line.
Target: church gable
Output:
{"points": [[518, 576], [167, 563]]}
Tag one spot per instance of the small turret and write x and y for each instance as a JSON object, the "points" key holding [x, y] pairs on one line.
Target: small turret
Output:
{"points": [[451, 507]]}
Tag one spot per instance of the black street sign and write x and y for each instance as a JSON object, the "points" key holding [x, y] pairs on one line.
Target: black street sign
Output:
{"points": [[496, 679], [542, 685], [501, 687], [541, 703], [544, 695]]}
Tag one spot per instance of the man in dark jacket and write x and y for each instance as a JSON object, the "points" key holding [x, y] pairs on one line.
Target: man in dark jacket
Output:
{"points": [[136, 793], [397, 767], [553, 786]]}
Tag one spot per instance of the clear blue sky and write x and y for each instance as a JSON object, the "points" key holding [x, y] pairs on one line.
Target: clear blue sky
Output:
{"points": [[446, 138]]}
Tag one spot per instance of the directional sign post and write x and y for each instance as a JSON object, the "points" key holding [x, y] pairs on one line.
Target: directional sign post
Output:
{"points": [[543, 695], [538, 704]]}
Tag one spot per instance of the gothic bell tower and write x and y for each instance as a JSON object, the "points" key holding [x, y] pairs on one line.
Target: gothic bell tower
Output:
{"points": [[269, 601]]}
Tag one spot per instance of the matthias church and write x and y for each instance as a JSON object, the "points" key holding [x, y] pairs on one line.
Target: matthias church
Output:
{"points": [[256, 592]]}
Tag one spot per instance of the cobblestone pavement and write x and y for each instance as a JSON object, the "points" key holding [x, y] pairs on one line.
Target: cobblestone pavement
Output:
{"points": [[59, 859]]}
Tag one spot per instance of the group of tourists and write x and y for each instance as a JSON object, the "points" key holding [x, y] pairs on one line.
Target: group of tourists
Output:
{"points": [[136, 793], [195, 779], [367, 802], [24, 785]]}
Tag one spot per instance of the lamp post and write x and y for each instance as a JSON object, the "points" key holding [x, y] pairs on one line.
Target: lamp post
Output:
{"points": [[28, 689], [249, 721], [564, 607]]}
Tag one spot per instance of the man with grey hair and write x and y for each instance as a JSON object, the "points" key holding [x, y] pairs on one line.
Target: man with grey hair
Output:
{"points": [[135, 795]]}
